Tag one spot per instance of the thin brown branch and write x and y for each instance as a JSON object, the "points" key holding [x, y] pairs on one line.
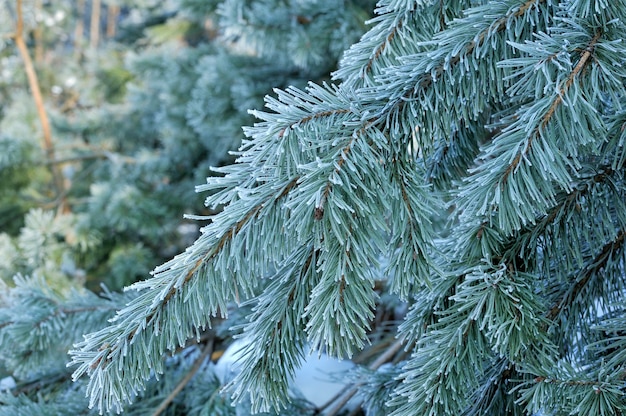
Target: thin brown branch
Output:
{"points": [[206, 352], [321, 114], [97, 154], [33, 82], [407, 202], [375, 349], [310, 117], [585, 275], [319, 209], [344, 396]]}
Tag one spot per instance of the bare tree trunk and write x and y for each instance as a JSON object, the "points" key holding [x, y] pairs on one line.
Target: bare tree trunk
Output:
{"points": [[113, 13], [33, 83], [38, 35], [94, 29], [80, 26]]}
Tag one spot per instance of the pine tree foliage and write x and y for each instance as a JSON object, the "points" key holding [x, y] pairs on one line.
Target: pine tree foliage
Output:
{"points": [[467, 160], [48, 320], [40, 323], [509, 291]]}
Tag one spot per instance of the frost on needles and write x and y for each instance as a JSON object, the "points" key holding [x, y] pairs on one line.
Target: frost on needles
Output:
{"points": [[459, 158], [467, 161]]}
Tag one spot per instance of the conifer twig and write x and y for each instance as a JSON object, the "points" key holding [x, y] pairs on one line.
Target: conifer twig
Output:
{"points": [[550, 113], [207, 351]]}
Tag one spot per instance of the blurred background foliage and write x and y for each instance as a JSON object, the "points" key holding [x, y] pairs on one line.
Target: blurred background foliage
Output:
{"points": [[142, 96]]}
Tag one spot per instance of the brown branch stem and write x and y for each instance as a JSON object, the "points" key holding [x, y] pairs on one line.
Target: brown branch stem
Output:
{"points": [[586, 273], [33, 82], [381, 48], [344, 397], [206, 352]]}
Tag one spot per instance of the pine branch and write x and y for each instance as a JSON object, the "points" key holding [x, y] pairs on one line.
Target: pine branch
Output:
{"points": [[548, 153], [316, 116], [218, 247], [341, 159], [276, 334], [558, 100], [412, 255], [498, 25], [381, 47], [556, 216], [506, 106], [567, 392], [132, 332]]}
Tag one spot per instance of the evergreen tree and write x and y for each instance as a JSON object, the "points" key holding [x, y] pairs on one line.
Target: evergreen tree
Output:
{"points": [[466, 163]]}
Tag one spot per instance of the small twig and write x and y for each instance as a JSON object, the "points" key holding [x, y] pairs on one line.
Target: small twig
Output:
{"points": [[373, 350], [38, 385], [61, 161], [208, 349], [344, 397]]}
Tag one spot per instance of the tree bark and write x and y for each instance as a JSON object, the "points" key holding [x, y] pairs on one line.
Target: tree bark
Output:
{"points": [[80, 25], [38, 35], [94, 29], [113, 12]]}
